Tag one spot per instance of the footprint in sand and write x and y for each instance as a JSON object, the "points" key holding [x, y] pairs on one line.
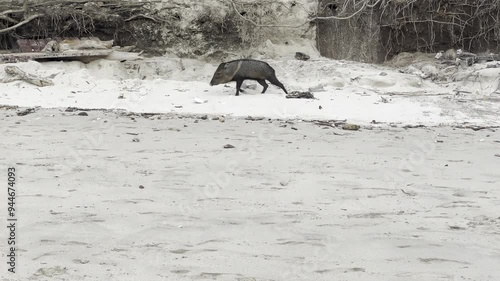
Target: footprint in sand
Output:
{"points": [[180, 271], [179, 251]]}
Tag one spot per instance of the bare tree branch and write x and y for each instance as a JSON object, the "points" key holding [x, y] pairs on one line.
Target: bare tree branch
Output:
{"points": [[7, 18], [13, 11], [25, 21]]}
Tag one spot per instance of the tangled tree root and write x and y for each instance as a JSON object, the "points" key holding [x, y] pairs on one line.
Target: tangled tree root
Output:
{"points": [[72, 18]]}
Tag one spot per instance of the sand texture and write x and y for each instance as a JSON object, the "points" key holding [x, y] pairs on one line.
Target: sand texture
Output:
{"points": [[114, 197]]}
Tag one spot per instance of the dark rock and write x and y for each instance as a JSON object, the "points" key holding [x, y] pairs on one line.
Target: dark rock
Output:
{"points": [[254, 118], [72, 109], [25, 112], [302, 56], [351, 127]]}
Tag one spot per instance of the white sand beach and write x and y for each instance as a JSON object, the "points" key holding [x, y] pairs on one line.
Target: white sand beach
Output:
{"points": [[357, 92], [114, 197]]}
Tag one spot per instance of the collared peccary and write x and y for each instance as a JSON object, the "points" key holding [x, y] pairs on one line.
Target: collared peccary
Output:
{"points": [[242, 69]]}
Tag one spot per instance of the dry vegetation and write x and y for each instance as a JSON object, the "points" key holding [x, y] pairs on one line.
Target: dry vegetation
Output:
{"points": [[64, 15], [53, 18], [426, 25]]}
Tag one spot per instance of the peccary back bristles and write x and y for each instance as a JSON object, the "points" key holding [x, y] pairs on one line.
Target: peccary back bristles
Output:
{"points": [[242, 69]]}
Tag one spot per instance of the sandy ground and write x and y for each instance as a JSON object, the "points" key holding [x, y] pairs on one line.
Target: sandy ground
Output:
{"points": [[354, 91], [301, 203]]}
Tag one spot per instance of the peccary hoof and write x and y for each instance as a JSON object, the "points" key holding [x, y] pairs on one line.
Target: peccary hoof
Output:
{"points": [[301, 56]]}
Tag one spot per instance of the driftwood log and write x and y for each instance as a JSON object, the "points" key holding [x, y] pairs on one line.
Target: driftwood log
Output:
{"points": [[18, 74]]}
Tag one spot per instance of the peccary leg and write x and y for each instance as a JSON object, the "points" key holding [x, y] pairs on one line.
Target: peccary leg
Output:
{"points": [[264, 84], [275, 81], [238, 86]]}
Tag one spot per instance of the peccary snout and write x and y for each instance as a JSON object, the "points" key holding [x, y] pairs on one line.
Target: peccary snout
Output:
{"points": [[243, 69]]}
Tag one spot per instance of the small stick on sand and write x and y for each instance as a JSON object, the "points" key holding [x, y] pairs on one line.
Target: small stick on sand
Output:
{"points": [[18, 74]]}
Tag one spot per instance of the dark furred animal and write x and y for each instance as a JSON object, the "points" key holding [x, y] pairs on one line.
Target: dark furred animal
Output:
{"points": [[243, 69]]}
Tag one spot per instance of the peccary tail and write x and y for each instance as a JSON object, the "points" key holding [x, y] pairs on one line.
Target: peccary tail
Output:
{"points": [[243, 69]]}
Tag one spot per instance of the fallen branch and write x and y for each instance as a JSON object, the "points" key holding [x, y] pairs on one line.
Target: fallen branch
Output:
{"points": [[18, 74], [416, 94], [25, 21], [477, 128]]}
